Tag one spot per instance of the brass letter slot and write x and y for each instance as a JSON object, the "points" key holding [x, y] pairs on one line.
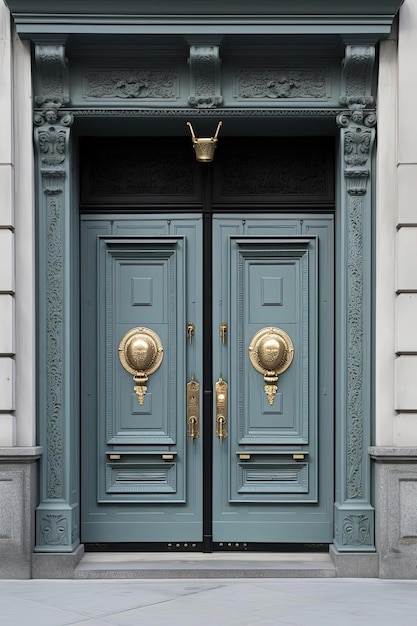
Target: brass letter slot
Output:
{"points": [[244, 457], [167, 457], [298, 457], [114, 457]]}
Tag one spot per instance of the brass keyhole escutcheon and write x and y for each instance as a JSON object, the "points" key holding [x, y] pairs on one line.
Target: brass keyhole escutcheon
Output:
{"points": [[271, 352], [141, 353]]}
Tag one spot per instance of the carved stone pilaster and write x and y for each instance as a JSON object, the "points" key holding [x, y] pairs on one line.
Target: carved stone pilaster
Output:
{"points": [[205, 84], [354, 515], [57, 513]]}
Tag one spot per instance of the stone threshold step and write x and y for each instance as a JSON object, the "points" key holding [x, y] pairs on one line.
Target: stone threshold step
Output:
{"points": [[198, 565]]}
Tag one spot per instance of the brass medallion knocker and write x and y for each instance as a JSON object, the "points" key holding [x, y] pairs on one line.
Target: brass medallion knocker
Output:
{"points": [[141, 353], [271, 352]]}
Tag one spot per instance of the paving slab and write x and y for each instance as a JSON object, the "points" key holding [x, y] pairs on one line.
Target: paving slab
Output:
{"points": [[208, 602]]}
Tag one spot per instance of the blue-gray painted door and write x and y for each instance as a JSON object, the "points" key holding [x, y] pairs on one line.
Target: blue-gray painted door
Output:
{"points": [[273, 474], [142, 475]]}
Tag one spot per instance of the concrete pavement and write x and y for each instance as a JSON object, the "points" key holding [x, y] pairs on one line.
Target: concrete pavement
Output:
{"points": [[202, 602]]}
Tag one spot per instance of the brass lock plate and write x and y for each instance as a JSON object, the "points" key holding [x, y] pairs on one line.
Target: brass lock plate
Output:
{"points": [[193, 408]]}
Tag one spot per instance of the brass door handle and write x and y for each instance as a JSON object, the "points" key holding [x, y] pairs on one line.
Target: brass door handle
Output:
{"points": [[221, 409], [193, 408]]}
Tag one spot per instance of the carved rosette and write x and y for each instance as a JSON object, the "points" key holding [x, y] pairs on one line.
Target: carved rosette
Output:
{"points": [[205, 85]]}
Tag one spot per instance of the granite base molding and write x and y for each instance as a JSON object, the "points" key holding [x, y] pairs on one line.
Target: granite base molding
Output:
{"points": [[354, 564], [56, 565], [18, 499], [396, 513]]}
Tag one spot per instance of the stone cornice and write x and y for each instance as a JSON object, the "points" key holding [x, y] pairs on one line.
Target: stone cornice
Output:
{"points": [[393, 454], [196, 17]]}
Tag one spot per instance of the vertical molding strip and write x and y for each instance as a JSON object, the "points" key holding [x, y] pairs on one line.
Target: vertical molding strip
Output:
{"points": [[354, 514]]}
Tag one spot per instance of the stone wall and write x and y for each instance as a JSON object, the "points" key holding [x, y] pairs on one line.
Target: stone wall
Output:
{"points": [[395, 455], [18, 454]]}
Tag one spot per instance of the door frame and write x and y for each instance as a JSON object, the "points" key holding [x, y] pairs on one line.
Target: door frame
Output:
{"points": [[58, 311]]}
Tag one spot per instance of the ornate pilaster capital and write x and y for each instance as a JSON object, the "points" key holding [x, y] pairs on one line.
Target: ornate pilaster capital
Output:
{"points": [[205, 84], [52, 147], [357, 138], [53, 115]]}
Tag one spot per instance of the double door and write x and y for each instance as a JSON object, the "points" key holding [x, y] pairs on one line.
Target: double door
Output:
{"points": [[206, 379]]}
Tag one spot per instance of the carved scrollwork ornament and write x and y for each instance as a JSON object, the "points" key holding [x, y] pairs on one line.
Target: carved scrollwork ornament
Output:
{"points": [[52, 81], [53, 116], [205, 83]]}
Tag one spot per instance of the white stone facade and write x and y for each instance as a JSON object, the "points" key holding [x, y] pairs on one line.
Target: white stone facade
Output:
{"points": [[17, 241]]}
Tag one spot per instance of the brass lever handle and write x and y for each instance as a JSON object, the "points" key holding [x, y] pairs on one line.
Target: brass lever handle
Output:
{"points": [[193, 408], [221, 409]]}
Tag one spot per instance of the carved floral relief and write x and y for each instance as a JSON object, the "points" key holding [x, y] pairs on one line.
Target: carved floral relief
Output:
{"points": [[158, 84], [276, 83]]}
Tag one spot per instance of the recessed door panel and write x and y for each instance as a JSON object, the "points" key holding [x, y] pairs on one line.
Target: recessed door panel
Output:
{"points": [[144, 287]]}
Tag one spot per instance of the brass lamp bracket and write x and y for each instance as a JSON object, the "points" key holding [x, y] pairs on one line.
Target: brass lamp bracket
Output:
{"points": [[204, 147], [141, 353], [271, 352]]}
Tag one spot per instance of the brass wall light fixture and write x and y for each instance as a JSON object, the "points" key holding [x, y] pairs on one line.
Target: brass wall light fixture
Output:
{"points": [[204, 147]]}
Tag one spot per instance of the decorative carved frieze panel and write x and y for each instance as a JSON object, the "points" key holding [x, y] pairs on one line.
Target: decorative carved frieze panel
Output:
{"points": [[131, 84], [264, 83]]}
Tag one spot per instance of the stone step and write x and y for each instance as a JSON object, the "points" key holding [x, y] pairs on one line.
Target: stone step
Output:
{"points": [[198, 565]]}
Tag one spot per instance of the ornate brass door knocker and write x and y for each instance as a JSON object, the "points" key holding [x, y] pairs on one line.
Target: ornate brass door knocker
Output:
{"points": [[141, 353], [271, 352]]}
